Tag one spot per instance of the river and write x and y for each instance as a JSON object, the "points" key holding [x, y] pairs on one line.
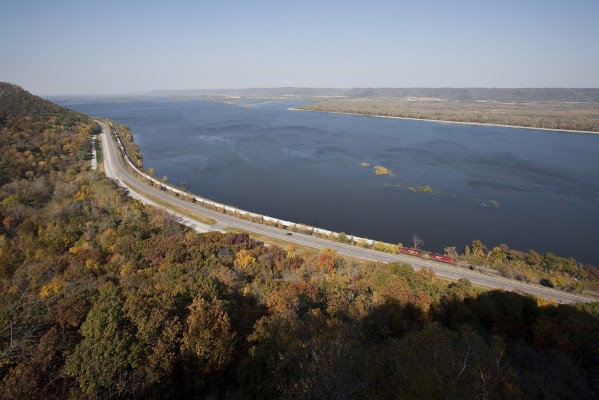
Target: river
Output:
{"points": [[530, 189]]}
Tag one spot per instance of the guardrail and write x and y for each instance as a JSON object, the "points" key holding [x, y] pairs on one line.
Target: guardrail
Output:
{"points": [[300, 227], [233, 210]]}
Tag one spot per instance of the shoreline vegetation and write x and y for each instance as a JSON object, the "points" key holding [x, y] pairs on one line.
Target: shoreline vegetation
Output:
{"points": [[574, 110], [380, 170], [546, 116], [547, 269], [103, 297]]}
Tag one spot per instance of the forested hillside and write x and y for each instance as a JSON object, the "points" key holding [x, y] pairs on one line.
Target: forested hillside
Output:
{"points": [[101, 297]]}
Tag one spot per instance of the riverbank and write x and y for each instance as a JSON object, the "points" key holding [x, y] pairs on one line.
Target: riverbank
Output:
{"points": [[557, 116], [443, 121], [373, 206], [350, 246]]}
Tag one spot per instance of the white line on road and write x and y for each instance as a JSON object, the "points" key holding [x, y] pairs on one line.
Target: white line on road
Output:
{"points": [[114, 169]]}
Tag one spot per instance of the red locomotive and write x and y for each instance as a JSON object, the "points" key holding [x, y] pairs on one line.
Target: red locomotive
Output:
{"points": [[425, 254]]}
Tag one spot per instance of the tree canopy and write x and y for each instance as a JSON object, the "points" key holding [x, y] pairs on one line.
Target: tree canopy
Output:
{"points": [[102, 297]]}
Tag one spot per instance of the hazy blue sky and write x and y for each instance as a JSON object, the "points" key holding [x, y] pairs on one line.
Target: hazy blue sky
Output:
{"points": [[99, 47]]}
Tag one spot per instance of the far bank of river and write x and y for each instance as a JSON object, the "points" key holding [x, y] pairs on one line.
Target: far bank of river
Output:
{"points": [[532, 191], [444, 121], [578, 117]]}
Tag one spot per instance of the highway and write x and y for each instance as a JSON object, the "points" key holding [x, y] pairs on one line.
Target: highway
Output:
{"points": [[115, 169]]}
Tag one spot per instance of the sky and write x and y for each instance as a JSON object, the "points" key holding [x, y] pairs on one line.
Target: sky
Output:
{"points": [[89, 47]]}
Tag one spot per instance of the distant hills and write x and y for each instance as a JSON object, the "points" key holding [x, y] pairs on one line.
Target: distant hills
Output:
{"points": [[488, 94], [454, 94], [105, 298], [254, 92]]}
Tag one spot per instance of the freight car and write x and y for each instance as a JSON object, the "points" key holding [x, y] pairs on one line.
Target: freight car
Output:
{"points": [[426, 254]]}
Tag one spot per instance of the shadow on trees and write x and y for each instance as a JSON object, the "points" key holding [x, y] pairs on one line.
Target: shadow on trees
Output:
{"points": [[392, 319], [553, 348]]}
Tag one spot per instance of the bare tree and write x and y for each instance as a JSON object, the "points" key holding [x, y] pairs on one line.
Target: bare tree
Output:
{"points": [[418, 242], [451, 251]]}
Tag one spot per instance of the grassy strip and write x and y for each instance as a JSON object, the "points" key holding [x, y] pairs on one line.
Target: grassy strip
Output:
{"points": [[180, 210], [99, 152]]}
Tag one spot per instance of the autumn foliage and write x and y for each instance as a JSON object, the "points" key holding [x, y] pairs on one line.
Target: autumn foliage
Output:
{"points": [[101, 297]]}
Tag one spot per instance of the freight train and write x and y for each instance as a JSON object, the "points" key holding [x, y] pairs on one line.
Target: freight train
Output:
{"points": [[428, 255]]}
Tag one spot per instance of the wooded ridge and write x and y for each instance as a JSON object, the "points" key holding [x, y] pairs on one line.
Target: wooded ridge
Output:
{"points": [[102, 297]]}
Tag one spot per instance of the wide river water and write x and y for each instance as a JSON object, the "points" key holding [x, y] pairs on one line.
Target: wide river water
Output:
{"points": [[530, 189]]}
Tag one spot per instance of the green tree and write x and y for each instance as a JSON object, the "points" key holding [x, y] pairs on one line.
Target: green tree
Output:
{"points": [[343, 238], [103, 363]]}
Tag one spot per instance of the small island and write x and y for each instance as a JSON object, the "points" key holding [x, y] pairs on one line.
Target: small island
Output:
{"points": [[421, 188], [380, 170]]}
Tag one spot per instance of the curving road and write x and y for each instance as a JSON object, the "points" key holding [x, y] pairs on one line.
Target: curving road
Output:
{"points": [[115, 169]]}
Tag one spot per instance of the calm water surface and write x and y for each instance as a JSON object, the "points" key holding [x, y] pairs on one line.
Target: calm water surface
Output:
{"points": [[530, 189]]}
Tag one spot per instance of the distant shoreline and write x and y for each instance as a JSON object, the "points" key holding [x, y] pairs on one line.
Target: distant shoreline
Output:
{"points": [[450, 122]]}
